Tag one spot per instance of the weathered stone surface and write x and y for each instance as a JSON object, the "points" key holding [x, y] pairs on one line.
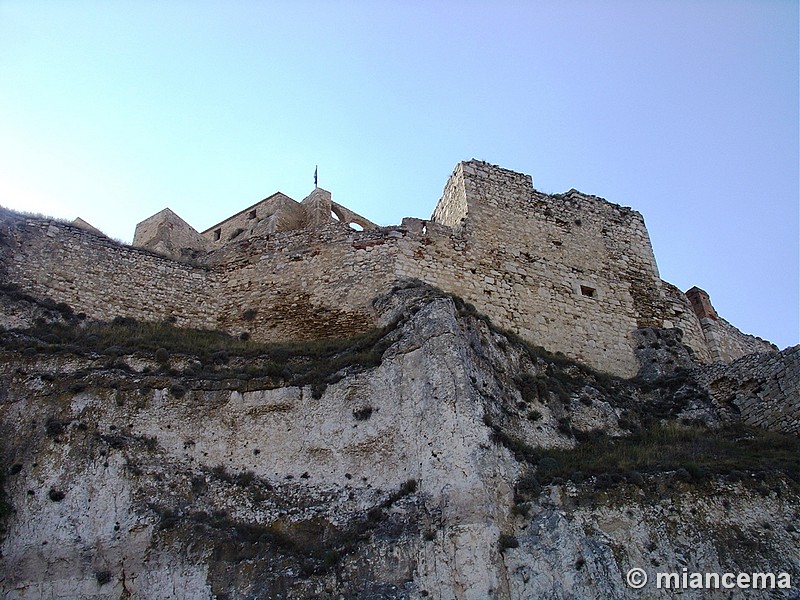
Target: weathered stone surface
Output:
{"points": [[569, 272], [232, 487], [78, 222], [763, 389], [166, 233], [135, 477], [660, 352], [101, 277]]}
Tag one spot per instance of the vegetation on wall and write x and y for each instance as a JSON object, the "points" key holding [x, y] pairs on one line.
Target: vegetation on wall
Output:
{"points": [[216, 355], [125, 335]]}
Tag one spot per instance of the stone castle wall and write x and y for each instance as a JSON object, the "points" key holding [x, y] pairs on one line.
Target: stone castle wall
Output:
{"points": [[293, 285], [276, 213], [572, 272], [167, 234], [726, 343], [305, 283], [762, 388], [100, 277], [569, 272], [682, 317]]}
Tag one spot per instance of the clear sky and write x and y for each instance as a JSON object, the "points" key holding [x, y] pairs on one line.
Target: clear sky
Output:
{"points": [[686, 110]]}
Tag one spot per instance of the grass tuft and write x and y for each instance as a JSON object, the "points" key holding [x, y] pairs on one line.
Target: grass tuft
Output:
{"points": [[696, 452]]}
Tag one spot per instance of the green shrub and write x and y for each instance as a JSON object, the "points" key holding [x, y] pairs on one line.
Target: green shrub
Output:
{"points": [[548, 465], [578, 477], [636, 478], [528, 487], [150, 442], [245, 478], [331, 558], [527, 385], [542, 391], [522, 451], [220, 472], [521, 509], [128, 322], [558, 387], [409, 487], [696, 471], [318, 361], [54, 427]]}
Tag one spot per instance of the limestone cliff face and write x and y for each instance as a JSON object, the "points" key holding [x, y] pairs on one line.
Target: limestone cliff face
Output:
{"points": [[136, 476]]}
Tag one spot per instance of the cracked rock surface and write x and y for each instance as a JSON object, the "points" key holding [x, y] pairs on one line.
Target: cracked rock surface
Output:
{"points": [[125, 479]]}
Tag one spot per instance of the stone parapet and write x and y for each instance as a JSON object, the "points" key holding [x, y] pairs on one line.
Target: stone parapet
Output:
{"points": [[101, 277]]}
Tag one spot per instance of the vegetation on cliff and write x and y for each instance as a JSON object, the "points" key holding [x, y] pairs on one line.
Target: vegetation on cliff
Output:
{"points": [[209, 354], [230, 456]]}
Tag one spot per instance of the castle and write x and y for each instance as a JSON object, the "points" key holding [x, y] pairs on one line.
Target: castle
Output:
{"points": [[570, 272]]}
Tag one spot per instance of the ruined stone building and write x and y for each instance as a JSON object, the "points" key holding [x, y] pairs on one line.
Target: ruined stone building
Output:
{"points": [[437, 457], [570, 272]]}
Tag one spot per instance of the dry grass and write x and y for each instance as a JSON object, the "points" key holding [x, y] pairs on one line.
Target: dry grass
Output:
{"points": [[699, 451]]}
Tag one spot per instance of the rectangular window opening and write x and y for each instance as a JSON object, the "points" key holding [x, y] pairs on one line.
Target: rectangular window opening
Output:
{"points": [[588, 291], [251, 214], [217, 234]]}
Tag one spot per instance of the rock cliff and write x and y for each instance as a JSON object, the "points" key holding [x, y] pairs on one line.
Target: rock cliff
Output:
{"points": [[435, 457]]}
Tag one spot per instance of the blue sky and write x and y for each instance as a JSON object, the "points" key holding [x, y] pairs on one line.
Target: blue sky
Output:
{"points": [[685, 110]]}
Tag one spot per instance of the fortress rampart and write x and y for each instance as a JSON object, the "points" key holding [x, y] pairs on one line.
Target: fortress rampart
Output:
{"points": [[570, 272], [760, 388], [101, 277]]}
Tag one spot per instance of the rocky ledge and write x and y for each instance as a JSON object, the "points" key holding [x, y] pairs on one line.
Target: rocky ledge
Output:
{"points": [[436, 457]]}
